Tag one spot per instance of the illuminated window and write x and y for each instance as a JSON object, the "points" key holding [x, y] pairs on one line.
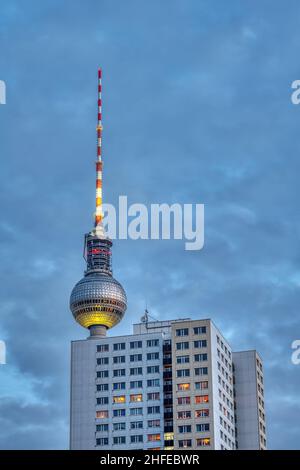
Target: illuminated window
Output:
{"points": [[120, 399], [202, 399], [205, 441], [137, 397], [153, 437], [102, 414], [183, 387], [202, 413]]}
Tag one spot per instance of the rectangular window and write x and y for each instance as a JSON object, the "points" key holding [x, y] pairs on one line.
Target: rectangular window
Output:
{"points": [[153, 396], [154, 423], [183, 387], [184, 400], [119, 359], [136, 371], [102, 374], [119, 440], [185, 443], [184, 429], [135, 344], [152, 356], [184, 414], [151, 343], [136, 411], [136, 439], [153, 410], [182, 346], [201, 385], [182, 332], [119, 413], [183, 373], [119, 386], [102, 387], [153, 437], [119, 426], [119, 372], [152, 369], [136, 425], [101, 361], [102, 414], [201, 371], [101, 427], [119, 346], [200, 357], [202, 399], [204, 442], [202, 343], [102, 441], [136, 384], [102, 401], [136, 357], [102, 347], [119, 399], [200, 330], [183, 359], [153, 383], [136, 398], [202, 427]]}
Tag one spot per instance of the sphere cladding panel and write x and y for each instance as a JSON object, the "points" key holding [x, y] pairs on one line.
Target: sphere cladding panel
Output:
{"points": [[102, 301]]}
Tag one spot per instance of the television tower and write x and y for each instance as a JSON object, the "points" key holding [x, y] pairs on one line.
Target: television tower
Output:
{"points": [[98, 301]]}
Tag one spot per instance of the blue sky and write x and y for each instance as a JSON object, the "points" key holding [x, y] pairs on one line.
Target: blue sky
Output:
{"points": [[196, 109]]}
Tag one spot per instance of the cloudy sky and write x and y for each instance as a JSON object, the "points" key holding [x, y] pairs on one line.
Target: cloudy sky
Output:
{"points": [[196, 109]]}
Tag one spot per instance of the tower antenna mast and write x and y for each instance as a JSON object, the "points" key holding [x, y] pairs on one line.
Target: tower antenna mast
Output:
{"points": [[99, 128]]}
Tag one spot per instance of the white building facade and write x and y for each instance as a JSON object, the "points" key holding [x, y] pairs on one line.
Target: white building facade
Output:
{"points": [[170, 385]]}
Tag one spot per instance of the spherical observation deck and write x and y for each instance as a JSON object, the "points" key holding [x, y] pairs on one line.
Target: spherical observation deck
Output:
{"points": [[98, 299]]}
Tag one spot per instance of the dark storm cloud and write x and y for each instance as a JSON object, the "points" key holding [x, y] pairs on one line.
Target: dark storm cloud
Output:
{"points": [[196, 109]]}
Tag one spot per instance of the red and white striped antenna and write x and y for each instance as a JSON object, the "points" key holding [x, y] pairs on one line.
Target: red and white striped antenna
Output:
{"points": [[99, 209]]}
